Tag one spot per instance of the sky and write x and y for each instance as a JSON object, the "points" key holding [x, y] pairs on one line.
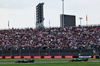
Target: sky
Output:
{"points": [[22, 13]]}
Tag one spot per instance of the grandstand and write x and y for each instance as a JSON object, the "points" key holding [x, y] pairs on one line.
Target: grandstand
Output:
{"points": [[81, 37], [51, 38]]}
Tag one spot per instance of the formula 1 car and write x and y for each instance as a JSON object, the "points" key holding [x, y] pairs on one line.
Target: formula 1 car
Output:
{"points": [[79, 60], [25, 61]]}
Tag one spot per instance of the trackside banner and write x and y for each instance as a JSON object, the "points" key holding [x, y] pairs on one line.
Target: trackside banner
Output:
{"points": [[17, 57], [70, 56], [37, 57], [28, 57], [57, 57], [8, 57], [47, 57], [85, 56], [1, 57]]}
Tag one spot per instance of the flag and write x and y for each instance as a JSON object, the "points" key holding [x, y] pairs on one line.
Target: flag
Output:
{"points": [[8, 23], [86, 18], [49, 22]]}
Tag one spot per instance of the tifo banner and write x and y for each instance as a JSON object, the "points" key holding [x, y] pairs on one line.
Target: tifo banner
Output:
{"points": [[1, 57], [70, 56], [57, 57], [85, 56], [28, 57], [17, 57], [37, 57], [8, 57], [47, 57]]}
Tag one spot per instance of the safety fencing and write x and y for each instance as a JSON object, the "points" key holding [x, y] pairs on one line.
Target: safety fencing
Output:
{"points": [[50, 52]]}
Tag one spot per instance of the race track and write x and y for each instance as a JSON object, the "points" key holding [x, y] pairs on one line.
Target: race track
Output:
{"points": [[50, 62]]}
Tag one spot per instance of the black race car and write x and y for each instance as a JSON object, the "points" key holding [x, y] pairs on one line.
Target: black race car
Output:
{"points": [[25, 61], [79, 60]]}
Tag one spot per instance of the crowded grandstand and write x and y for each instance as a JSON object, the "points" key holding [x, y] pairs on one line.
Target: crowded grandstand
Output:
{"points": [[87, 37]]}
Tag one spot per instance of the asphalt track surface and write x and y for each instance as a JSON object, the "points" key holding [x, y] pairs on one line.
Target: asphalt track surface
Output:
{"points": [[49, 62]]}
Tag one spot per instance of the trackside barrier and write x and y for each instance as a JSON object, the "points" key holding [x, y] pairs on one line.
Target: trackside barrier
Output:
{"points": [[70, 56], [57, 57], [37, 57], [85, 56], [1, 57], [8, 57], [47, 57], [17, 57], [94, 57], [27, 57]]}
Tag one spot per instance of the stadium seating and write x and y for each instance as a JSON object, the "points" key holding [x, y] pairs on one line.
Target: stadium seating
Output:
{"points": [[86, 37]]}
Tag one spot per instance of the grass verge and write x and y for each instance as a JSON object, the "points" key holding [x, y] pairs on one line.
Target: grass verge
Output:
{"points": [[57, 64]]}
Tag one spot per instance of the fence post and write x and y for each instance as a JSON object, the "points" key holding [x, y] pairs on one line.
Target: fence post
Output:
{"points": [[39, 52], [2, 52], [29, 52], [68, 51], [20, 52], [59, 51], [11, 52], [49, 52], [80, 52]]}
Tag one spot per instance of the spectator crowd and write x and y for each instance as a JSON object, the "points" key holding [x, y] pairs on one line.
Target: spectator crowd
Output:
{"points": [[87, 37]]}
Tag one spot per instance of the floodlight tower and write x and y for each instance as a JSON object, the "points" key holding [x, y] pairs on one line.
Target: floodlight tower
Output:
{"points": [[63, 12]]}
